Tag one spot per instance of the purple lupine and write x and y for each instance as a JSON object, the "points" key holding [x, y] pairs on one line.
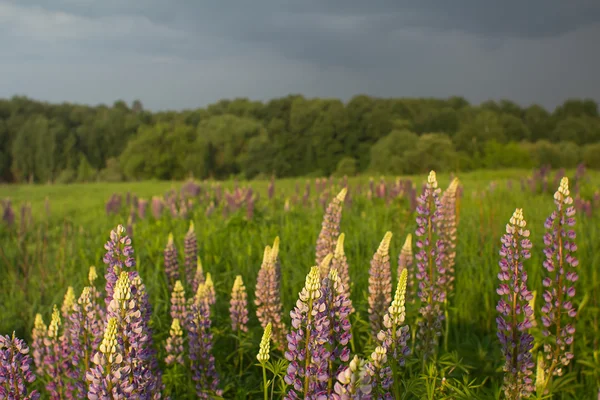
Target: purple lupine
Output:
{"points": [[174, 345], [558, 313], [447, 231], [200, 341], [267, 295], [72, 351], [171, 263], [157, 207], [354, 382], [178, 303], [330, 229], [238, 306], [380, 284], [110, 377], [190, 249], [119, 255], [55, 358], [307, 372], [37, 345], [514, 309], [405, 262], [381, 374], [340, 263], [15, 370], [335, 307], [142, 207], [430, 268]]}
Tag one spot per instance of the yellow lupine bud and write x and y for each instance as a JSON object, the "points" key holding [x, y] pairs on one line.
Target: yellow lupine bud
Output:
{"points": [[263, 352]]}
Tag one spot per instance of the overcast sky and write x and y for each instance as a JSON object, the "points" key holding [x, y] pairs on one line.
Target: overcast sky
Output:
{"points": [[175, 54]]}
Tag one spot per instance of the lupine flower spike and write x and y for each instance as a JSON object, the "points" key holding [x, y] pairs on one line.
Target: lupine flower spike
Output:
{"points": [[263, 357], [381, 374], [174, 345], [307, 370], [37, 336], [330, 229], [514, 322], [210, 290], [178, 306], [340, 263], [447, 232], [171, 263], [238, 309], [380, 284], [15, 370], [558, 313], [353, 382], [190, 248], [199, 276], [430, 268], [55, 360], [405, 262], [267, 295]]}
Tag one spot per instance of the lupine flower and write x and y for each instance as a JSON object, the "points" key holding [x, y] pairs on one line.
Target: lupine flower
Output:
{"points": [[110, 377], [267, 297], [178, 306], [200, 345], [395, 335], [68, 301], [447, 232], [540, 375], [264, 350], [558, 313], [307, 372], [8, 215], [37, 336], [334, 310], [340, 263], [430, 268], [171, 263], [174, 345], [380, 284], [513, 307], [330, 228], [405, 262], [353, 382], [199, 276], [92, 275], [211, 296], [54, 359], [238, 309], [157, 207], [119, 254], [381, 374], [190, 248], [15, 370]]}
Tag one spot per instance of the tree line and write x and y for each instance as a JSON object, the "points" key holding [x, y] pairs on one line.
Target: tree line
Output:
{"points": [[289, 136]]}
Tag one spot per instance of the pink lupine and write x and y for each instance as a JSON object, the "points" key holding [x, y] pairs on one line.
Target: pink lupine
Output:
{"points": [[267, 295], [430, 268], [380, 284], [330, 229], [558, 312], [514, 309], [171, 263], [238, 310], [447, 233]]}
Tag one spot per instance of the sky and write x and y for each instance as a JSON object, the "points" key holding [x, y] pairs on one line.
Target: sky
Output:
{"points": [[180, 54]]}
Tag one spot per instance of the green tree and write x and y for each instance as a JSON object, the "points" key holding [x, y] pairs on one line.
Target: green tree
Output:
{"points": [[388, 154]]}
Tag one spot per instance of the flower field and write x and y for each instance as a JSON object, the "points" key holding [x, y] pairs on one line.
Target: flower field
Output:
{"points": [[477, 286]]}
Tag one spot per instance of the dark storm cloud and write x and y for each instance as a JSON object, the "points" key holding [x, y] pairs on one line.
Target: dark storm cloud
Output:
{"points": [[195, 52]]}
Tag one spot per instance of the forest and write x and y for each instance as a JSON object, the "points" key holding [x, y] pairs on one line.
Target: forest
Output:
{"points": [[288, 137]]}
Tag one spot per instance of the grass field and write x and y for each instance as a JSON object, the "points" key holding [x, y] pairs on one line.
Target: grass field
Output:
{"points": [[56, 250]]}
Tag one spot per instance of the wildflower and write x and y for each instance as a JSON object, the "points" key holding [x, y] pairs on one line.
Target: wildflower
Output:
{"points": [[178, 306], [201, 343], [174, 345], [267, 295], [92, 275], [109, 377], [198, 276], [447, 232], [380, 373], [263, 353], [238, 309], [558, 312], [307, 371], [55, 359], [210, 290], [37, 336], [340, 263], [330, 228], [15, 370], [430, 268], [190, 248], [119, 255], [353, 382], [513, 307], [171, 263], [405, 262], [380, 284], [69, 300]]}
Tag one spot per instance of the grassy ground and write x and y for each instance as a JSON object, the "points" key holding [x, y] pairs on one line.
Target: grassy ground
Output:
{"points": [[56, 252]]}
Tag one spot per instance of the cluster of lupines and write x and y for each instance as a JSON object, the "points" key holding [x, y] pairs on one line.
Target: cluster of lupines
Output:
{"points": [[330, 229], [380, 284], [171, 263], [430, 268], [15, 370], [558, 312], [267, 295], [514, 309]]}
